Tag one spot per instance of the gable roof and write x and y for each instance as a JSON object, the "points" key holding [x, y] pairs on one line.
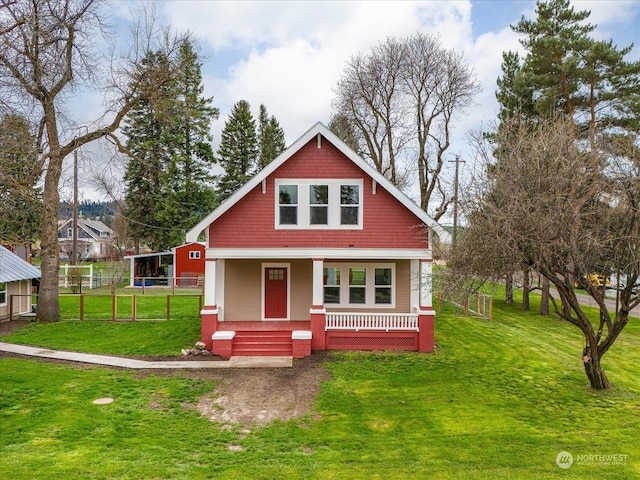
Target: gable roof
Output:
{"points": [[90, 227], [319, 129], [14, 269]]}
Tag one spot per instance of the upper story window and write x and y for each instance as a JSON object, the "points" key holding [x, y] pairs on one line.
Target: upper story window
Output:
{"points": [[319, 204], [194, 254]]}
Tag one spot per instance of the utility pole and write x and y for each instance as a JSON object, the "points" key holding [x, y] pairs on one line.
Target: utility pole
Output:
{"points": [[457, 161], [74, 251]]}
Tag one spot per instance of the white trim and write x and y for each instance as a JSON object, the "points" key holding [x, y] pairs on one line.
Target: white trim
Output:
{"points": [[326, 253], [370, 286], [262, 287], [223, 335], [318, 129], [333, 207], [300, 335]]}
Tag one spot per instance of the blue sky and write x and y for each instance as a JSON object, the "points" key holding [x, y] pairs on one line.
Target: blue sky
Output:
{"points": [[289, 55]]}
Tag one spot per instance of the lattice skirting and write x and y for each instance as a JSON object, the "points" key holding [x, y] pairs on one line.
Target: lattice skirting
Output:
{"points": [[338, 340]]}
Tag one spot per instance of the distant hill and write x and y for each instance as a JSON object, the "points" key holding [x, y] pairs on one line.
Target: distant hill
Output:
{"points": [[93, 210]]}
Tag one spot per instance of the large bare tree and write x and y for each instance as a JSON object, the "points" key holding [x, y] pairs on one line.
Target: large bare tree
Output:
{"points": [[400, 100], [49, 52], [546, 209]]}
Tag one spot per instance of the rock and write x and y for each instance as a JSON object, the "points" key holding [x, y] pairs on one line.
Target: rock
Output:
{"points": [[200, 346], [185, 352]]}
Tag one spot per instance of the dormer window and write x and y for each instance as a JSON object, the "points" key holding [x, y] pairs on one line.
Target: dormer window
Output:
{"points": [[319, 204]]}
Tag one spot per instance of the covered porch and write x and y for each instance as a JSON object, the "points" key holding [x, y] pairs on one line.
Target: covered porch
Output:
{"points": [[398, 316]]}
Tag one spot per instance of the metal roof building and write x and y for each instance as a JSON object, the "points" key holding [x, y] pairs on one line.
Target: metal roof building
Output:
{"points": [[14, 269]]}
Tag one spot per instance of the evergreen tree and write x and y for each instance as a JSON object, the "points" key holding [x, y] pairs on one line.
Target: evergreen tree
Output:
{"points": [[238, 152], [270, 137], [168, 177], [19, 175], [145, 128], [188, 195]]}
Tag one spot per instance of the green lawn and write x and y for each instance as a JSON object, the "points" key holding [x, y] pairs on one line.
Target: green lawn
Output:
{"points": [[497, 400]]}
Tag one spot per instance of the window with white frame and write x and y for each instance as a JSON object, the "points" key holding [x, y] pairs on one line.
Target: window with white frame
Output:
{"points": [[194, 255], [319, 204], [359, 285], [3, 293]]}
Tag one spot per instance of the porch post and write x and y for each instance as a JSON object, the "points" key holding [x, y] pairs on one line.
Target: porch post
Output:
{"points": [[317, 312], [426, 341], [209, 313], [132, 273]]}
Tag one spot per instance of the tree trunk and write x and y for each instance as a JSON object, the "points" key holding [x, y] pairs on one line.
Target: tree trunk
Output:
{"points": [[593, 369], [544, 299], [48, 303], [525, 290], [509, 289]]}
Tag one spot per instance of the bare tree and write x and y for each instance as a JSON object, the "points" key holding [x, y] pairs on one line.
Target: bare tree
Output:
{"points": [[48, 50], [544, 208], [400, 101]]}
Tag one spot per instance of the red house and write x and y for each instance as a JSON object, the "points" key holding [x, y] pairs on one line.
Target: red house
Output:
{"points": [[318, 251]]}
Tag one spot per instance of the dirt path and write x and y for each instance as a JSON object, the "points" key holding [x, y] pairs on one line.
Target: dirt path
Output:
{"points": [[248, 397]]}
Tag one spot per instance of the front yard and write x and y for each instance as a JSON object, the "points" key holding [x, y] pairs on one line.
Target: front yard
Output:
{"points": [[497, 400]]}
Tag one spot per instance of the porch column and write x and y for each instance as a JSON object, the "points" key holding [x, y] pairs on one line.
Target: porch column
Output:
{"points": [[426, 315], [132, 273], [209, 313], [317, 308]]}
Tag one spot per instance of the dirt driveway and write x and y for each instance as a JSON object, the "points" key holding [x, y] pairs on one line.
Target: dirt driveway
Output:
{"points": [[249, 397]]}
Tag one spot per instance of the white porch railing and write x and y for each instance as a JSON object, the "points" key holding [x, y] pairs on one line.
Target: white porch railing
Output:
{"points": [[371, 321]]}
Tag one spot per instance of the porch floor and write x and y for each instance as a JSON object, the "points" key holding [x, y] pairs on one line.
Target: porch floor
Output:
{"points": [[266, 326]]}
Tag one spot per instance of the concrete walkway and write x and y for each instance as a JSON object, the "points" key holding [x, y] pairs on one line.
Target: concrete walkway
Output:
{"points": [[233, 362]]}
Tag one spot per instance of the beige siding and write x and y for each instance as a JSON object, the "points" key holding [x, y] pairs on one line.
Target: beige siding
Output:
{"points": [[242, 284], [301, 289], [243, 289], [21, 304]]}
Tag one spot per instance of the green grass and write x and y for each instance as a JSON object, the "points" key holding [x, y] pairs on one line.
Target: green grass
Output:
{"points": [[496, 400]]}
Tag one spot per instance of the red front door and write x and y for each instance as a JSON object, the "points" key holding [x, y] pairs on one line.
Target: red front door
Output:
{"points": [[275, 292]]}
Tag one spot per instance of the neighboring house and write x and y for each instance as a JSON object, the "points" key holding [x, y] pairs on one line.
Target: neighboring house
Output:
{"points": [[95, 239], [317, 251], [183, 264], [16, 277]]}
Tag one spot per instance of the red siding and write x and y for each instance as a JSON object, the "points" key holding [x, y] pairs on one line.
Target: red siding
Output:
{"points": [[250, 223], [188, 267]]}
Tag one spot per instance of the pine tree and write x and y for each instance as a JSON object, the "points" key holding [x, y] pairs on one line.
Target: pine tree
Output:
{"points": [[188, 194], [238, 152], [270, 137], [168, 177], [145, 128], [19, 174]]}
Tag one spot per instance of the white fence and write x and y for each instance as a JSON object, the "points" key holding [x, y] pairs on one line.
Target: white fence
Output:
{"points": [[71, 275], [372, 321]]}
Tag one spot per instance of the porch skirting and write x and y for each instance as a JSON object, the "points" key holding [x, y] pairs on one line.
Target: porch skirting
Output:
{"points": [[324, 331]]}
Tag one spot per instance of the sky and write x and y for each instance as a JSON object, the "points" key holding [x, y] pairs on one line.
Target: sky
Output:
{"points": [[289, 55]]}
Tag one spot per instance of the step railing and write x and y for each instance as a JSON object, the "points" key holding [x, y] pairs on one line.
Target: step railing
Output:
{"points": [[371, 321]]}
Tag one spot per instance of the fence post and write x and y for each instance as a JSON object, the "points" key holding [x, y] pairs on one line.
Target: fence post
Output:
{"points": [[10, 307], [466, 306], [168, 306], [491, 308], [114, 307], [144, 280], [81, 307], [133, 308]]}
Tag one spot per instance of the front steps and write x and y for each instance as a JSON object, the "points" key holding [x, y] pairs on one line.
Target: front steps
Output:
{"points": [[262, 344]]}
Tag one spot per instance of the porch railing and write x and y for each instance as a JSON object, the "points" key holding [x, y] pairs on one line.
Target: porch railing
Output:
{"points": [[371, 321]]}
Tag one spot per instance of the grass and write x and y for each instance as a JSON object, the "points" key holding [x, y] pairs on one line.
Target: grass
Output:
{"points": [[496, 400]]}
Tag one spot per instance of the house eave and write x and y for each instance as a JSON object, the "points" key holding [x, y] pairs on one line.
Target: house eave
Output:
{"points": [[332, 253]]}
